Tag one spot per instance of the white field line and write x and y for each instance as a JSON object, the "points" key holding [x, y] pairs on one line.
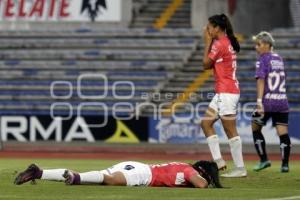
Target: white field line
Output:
{"points": [[284, 198]]}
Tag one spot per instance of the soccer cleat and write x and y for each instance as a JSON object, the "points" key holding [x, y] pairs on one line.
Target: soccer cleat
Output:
{"points": [[221, 164], [71, 178], [30, 174], [285, 168], [262, 165], [236, 173]]}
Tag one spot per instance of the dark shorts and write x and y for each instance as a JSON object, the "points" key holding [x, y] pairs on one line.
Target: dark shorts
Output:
{"points": [[277, 118]]}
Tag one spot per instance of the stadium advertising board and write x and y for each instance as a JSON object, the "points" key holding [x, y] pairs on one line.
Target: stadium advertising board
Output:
{"points": [[168, 130], [60, 10], [83, 128], [187, 130]]}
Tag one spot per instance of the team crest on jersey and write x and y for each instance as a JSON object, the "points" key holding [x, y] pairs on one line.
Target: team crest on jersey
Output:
{"points": [[93, 8], [129, 167], [257, 64], [213, 49]]}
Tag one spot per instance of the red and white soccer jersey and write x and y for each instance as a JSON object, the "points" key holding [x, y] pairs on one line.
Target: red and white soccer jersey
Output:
{"points": [[224, 58], [172, 175]]}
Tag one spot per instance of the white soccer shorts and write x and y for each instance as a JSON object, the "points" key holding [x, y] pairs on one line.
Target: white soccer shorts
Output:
{"points": [[225, 103], [136, 173]]}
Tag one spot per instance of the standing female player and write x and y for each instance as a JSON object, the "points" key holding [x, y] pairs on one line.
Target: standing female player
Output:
{"points": [[272, 101], [220, 51]]}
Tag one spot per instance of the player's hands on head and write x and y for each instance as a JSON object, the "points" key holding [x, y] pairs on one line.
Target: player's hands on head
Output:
{"points": [[206, 36]]}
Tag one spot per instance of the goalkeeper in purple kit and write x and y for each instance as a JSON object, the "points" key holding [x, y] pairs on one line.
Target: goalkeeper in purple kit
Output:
{"points": [[272, 102]]}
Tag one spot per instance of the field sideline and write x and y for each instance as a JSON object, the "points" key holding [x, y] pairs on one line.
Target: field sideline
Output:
{"points": [[268, 184]]}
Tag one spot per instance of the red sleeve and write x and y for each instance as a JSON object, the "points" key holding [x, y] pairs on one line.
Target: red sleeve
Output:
{"points": [[215, 50], [189, 172]]}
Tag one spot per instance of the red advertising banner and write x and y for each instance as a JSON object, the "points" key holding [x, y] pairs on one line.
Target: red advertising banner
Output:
{"points": [[60, 10]]}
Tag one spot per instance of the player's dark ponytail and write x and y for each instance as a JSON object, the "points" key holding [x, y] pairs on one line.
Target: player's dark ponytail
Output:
{"points": [[209, 171], [229, 31], [223, 22]]}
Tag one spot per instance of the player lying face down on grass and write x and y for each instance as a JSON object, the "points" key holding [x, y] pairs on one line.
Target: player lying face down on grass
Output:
{"points": [[201, 174]]}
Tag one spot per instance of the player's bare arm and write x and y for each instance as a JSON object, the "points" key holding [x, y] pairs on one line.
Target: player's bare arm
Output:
{"points": [[260, 91], [198, 181], [207, 62]]}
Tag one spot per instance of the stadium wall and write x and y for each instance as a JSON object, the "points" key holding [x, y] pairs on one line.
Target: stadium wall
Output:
{"points": [[248, 17], [173, 130]]}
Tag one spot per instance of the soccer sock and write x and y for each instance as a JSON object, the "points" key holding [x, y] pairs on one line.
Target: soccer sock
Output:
{"points": [[214, 146], [95, 177], [285, 147], [260, 145], [53, 174], [235, 144]]}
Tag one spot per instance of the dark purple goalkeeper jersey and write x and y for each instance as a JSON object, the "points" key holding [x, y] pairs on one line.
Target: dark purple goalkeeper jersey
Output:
{"points": [[270, 67]]}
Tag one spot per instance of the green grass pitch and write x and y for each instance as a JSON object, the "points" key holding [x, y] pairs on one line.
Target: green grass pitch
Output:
{"points": [[268, 184]]}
